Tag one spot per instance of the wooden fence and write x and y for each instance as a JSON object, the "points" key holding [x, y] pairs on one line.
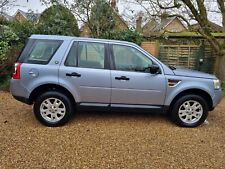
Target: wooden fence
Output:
{"points": [[179, 55]]}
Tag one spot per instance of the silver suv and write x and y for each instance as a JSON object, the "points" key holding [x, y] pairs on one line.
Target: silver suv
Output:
{"points": [[62, 74]]}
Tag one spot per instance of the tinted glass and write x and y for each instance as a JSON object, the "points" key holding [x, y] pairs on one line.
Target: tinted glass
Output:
{"points": [[91, 55], [72, 56], [130, 59], [42, 51]]}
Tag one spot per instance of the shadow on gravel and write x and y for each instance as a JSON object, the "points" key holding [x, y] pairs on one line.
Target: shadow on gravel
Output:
{"points": [[108, 115]]}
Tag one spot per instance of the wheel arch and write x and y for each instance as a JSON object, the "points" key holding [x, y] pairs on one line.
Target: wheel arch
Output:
{"points": [[194, 91], [50, 87]]}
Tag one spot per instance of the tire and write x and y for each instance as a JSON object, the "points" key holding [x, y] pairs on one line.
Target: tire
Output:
{"points": [[53, 108], [190, 111]]}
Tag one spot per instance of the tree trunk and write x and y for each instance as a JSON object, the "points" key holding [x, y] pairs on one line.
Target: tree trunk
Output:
{"points": [[220, 67]]}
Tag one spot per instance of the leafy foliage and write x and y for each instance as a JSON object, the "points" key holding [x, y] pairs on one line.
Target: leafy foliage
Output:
{"points": [[126, 35], [8, 37], [57, 20], [101, 19], [23, 29]]}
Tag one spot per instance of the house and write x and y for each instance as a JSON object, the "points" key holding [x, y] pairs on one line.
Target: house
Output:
{"points": [[22, 16], [214, 27], [5, 17], [120, 23], [149, 26], [166, 24]]}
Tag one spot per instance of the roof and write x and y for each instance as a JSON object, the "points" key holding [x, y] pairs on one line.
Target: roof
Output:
{"points": [[69, 38], [20, 11], [6, 16], [164, 23], [150, 25], [26, 14], [215, 27], [185, 34], [120, 17]]}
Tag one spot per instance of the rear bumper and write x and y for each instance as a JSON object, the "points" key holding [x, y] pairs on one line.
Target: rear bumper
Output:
{"points": [[19, 92], [23, 99]]}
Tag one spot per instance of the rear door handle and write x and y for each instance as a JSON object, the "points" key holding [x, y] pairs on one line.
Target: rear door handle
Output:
{"points": [[122, 78], [73, 74]]}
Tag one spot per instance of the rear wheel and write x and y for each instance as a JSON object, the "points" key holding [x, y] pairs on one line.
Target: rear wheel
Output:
{"points": [[190, 111], [53, 109]]}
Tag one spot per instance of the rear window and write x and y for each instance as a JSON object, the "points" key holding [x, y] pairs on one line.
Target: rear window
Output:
{"points": [[39, 51]]}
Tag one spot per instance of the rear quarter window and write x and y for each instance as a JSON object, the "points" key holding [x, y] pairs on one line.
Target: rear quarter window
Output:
{"points": [[39, 51]]}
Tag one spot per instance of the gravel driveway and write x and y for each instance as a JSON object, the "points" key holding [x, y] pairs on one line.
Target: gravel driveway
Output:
{"points": [[101, 140]]}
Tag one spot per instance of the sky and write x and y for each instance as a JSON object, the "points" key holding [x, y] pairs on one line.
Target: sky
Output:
{"points": [[34, 5], [127, 10]]}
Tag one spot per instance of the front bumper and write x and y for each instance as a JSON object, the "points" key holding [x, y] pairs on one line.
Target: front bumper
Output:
{"points": [[218, 95]]}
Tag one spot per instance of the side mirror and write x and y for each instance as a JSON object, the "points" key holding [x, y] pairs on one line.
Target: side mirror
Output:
{"points": [[154, 69]]}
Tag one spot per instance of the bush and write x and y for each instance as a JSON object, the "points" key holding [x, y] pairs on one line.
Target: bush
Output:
{"points": [[23, 30], [6, 66], [7, 39], [57, 20], [4, 85], [126, 35]]}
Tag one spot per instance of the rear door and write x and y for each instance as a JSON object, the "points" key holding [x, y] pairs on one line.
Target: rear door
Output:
{"points": [[85, 72]]}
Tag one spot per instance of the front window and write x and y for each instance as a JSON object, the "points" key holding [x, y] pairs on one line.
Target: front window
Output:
{"points": [[130, 59]]}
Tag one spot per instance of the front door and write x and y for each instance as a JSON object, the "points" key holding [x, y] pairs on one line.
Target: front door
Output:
{"points": [[85, 73], [132, 83]]}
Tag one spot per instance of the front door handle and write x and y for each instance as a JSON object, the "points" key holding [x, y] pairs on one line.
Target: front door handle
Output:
{"points": [[122, 78], [73, 74]]}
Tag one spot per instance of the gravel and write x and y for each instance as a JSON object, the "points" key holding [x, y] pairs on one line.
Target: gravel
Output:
{"points": [[108, 140]]}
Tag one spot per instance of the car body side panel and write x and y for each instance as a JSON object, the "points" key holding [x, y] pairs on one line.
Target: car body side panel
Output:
{"points": [[186, 84], [141, 88], [33, 75], [92, 86]]}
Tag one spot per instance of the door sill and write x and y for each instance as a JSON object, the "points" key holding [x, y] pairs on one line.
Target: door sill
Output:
{"points": [[122, 107]]}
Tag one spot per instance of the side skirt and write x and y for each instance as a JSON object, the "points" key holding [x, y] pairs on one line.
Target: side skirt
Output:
{"points": [[122, 108]]}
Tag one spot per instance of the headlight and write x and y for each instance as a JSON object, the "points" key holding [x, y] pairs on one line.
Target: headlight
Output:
{"points": [[216, 83]]}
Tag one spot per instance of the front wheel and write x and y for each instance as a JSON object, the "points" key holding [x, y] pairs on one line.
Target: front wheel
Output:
{"points": [[190, 111], [53, 108]]}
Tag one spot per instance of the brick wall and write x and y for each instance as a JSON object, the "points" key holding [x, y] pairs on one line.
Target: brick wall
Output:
{"points": [[151, 47]]}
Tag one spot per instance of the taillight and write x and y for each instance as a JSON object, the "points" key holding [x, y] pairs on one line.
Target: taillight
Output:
{"points": [[16, 74]]}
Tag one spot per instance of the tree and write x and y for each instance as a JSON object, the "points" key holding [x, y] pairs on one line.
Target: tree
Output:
{"points": [[101, 19], [97, 15], [197, 10], [58, 20], [23, 29], [199, 13], [5, 4]]}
